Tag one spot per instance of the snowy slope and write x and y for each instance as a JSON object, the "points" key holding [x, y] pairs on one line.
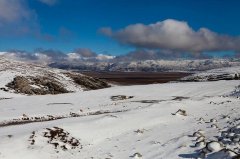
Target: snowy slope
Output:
{"points": [[140, 126], [227, 73], [9, 69], [219, 71]]}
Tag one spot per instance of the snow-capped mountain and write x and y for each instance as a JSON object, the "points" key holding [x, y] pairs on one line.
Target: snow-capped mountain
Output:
{"points": [[88, 61], [148, 65]]}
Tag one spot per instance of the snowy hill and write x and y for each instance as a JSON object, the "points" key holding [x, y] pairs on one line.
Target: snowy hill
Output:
{"points": [[227, 73], [36, 79]]}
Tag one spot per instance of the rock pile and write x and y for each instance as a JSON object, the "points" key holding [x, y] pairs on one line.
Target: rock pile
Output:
{"points": [[226, 145], [61, 139], [57, 137]]}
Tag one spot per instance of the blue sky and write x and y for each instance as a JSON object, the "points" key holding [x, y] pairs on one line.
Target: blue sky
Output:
{"points": [[68, 24]]}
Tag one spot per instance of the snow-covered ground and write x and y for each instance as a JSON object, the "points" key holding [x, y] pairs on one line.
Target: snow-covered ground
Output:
{"points": [[158, 121], [92, 125]]}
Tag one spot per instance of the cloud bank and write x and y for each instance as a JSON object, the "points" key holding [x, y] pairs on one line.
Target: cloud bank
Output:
{"points": [[173, 35], [48, 56], [149, 54]]}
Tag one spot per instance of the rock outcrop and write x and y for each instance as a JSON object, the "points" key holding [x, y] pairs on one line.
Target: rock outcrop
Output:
{"points": [[36, 85], [89, 83]]}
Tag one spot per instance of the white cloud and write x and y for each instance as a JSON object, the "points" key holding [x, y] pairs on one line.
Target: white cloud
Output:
{"points": [[46, 57], [17, 19], [102, 57], [74, 56], [173, 35], [13, 10]]}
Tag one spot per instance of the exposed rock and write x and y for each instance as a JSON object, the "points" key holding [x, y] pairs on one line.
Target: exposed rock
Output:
{"points": [[213, 146], [4, 89], [180, 112], [200, 144], [58, 137], [214, 126], [211, 77], [226, 145], [140, 131], [36, 85], [136, 156], [200, 138], [121, 97], [87, 82], [237, 156]]}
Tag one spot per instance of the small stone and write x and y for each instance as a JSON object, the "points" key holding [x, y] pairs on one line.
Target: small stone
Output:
{"points": [[137, 156], [214, 146], [200, 138], [197, 134], [180, 112], [200, 144], [213, 120], [214, 126]]}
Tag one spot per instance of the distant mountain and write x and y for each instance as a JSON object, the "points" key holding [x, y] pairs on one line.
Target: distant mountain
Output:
{"points": [[85, 60], [148, 65]]}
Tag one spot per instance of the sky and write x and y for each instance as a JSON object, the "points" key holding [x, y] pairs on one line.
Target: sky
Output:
{"points": [[118, 27]]}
